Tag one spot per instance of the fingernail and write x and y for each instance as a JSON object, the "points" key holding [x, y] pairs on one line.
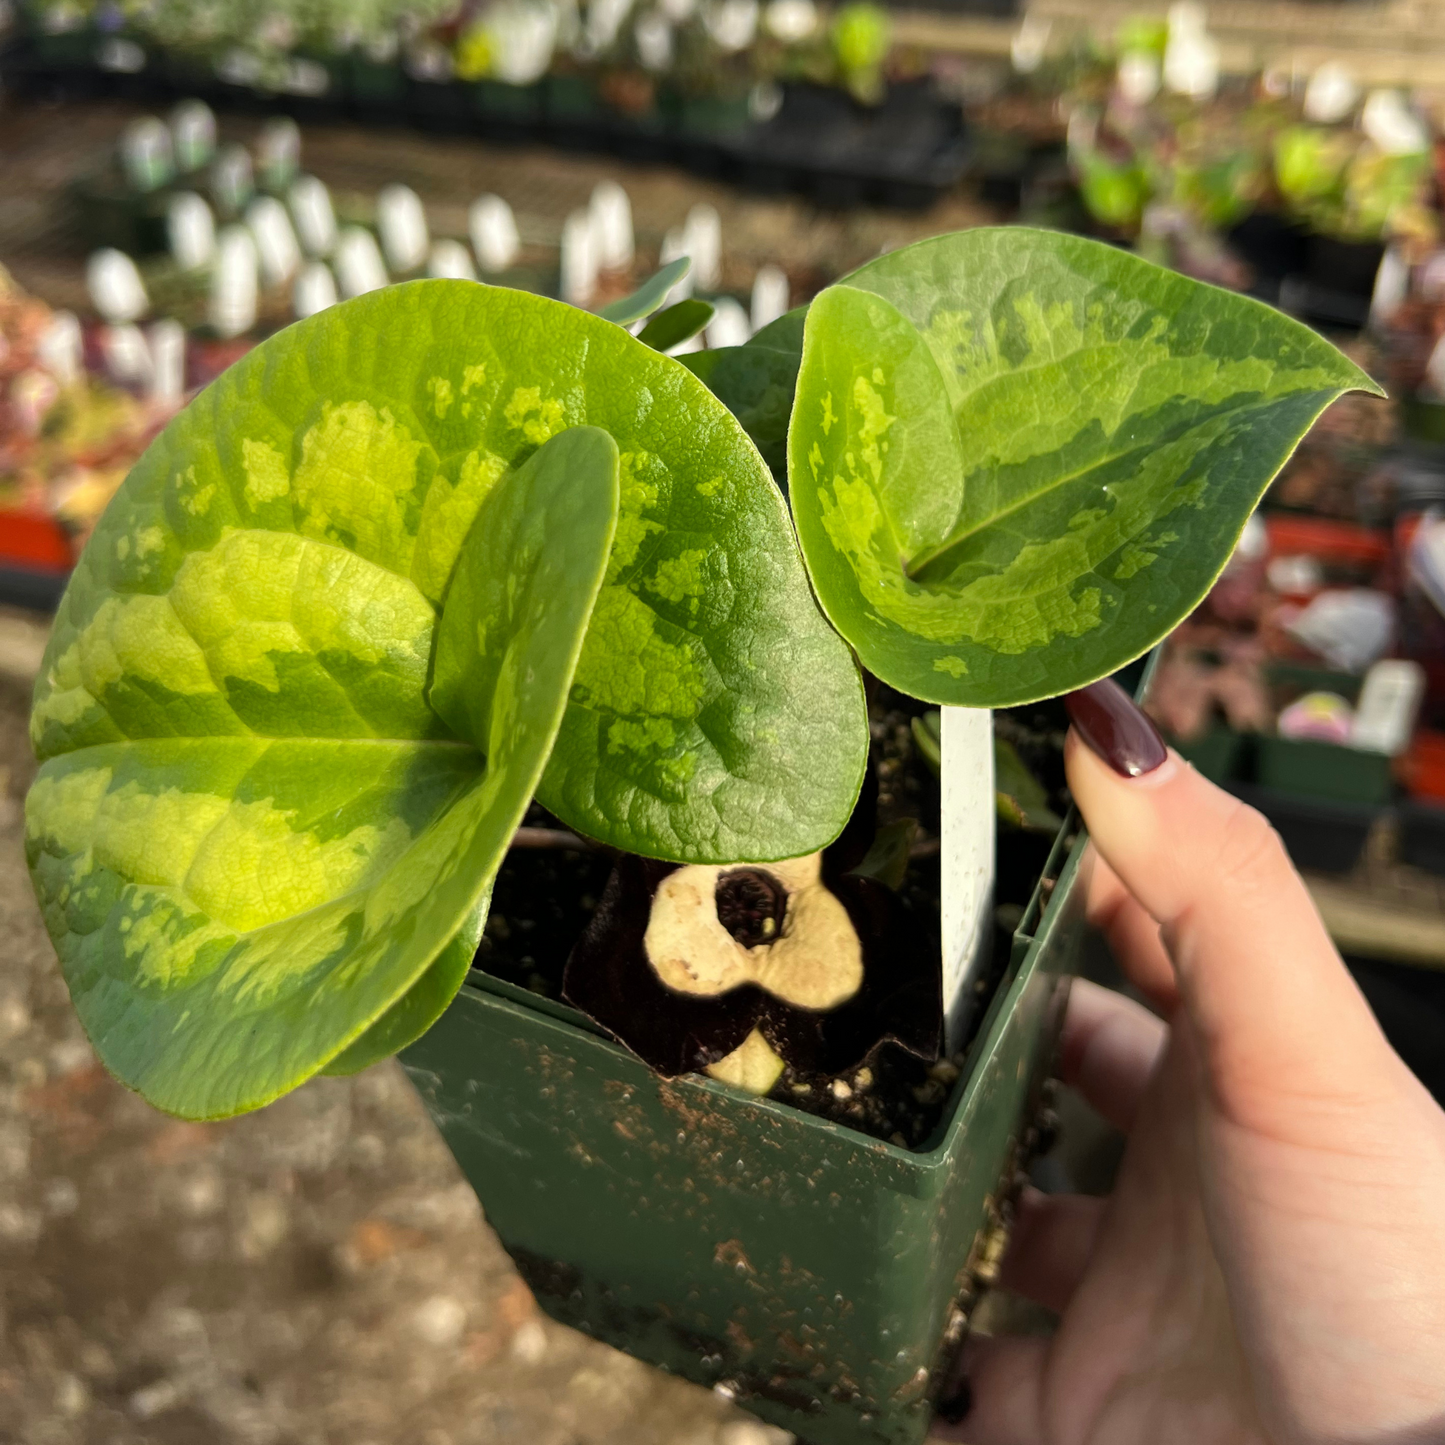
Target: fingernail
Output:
{"points": [[955, 1406], [1113, 726]]}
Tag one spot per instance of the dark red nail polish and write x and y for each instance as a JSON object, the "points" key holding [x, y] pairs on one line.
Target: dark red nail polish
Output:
{"points": [[1109, 721], [954, 1407]]}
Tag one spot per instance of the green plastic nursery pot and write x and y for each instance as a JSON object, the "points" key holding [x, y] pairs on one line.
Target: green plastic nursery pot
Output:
{"points": [[508, 107], [812, 1272], [1313, 769], [1215, 754], [1310, 768]]}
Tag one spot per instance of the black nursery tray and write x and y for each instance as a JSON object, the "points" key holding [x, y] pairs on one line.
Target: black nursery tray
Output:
{"points": [[903, 153]]}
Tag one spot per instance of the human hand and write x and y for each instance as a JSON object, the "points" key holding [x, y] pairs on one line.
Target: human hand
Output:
{"points": [[1271, 1264]]}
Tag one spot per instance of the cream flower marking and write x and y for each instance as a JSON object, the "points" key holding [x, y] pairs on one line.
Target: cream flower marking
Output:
{"points": [[810, 957]]}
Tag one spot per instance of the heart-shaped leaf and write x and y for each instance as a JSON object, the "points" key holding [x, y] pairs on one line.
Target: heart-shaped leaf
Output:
{"points": [[274, 787], [1018, 458], [233, 910]]}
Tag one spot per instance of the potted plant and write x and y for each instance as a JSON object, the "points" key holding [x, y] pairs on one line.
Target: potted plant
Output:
{"points": [[361, 602]]}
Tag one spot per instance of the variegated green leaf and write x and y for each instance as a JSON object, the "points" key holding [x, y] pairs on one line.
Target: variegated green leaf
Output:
{"points": [[252, 795], [235, 908], [1018, 458]]}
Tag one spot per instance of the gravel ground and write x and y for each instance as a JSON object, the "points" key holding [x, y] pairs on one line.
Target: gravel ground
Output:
{"points": [[313, 1274]]}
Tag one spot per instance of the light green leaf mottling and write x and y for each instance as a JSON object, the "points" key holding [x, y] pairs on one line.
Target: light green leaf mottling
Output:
{"points": [[1020, 411], [232, 913], [278, 774]]}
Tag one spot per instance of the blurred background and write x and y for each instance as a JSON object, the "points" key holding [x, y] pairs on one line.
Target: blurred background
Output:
{"points": [[179, 179]]}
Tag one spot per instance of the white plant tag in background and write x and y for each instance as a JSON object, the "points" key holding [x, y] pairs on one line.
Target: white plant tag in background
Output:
{"points": [[493, 230], [703, 242], [115, 287], [232, 181], [146, 153], [1392, 286], [674, 247], [168, 361], [1389, 704], [61, 348], [315, 218], [401, 222], [359, 267], [233, 283], [278, 152], [1435, 368], [729, 325], [771, 295], [315, 289], [276, 247], [190, 230], [612, 224], [451, 261], [969, 817], [193, 133], [1331, 93], [578, 279], [127, 355]]}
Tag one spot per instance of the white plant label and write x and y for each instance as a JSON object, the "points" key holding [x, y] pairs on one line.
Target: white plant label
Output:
{"points": [[314, 291], [703, 243], [115, 287], [1435, 368], [276, 246], [193, 132], [729, 325], [1331, 94], [232, 182], [969, 816], [359, 267], [314, 215], [674, 247], [493, 230], [145, 152], [234, 283], [127, 355], [653, 36], [191, 231], [578, 279], [168, 362], [1392, 286], [450, 261], [401, 222], [278, 151], [61, 348], [771, 295], [612, 223]]}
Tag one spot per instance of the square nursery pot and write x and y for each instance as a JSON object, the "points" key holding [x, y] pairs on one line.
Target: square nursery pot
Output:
{"points": [[508, 112], [443, 106], [818, 1275], [375, 89], [1311, 769], [1216, 753], [1422, 835], [574, 115], [1320, 836]]}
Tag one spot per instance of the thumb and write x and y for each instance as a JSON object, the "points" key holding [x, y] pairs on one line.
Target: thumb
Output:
{"points": [[1276, 1016]]}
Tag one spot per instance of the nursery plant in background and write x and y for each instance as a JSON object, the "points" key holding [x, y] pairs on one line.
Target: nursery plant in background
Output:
{"points": [[359, 605]]}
